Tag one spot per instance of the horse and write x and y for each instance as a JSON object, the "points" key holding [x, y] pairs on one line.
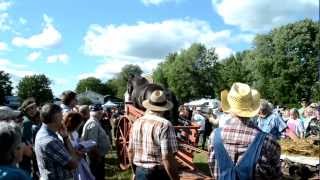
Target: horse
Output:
{"points": [[139, 89]]}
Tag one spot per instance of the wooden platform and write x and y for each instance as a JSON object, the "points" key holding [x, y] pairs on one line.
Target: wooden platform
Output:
{"points": [[193, 175]]}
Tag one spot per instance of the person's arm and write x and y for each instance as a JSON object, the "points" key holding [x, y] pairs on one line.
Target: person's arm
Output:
{"points": [[269, 165], [73, 163], [168, 145], [170, 166], [57, 152], [90, 132]]}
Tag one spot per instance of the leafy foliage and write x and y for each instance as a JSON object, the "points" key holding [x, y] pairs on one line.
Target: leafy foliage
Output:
{"points": [[90, 83], [234, 69], [118, 85], [84, 101], [189, 74], [37, 86], [285, 62], [5, 86]]}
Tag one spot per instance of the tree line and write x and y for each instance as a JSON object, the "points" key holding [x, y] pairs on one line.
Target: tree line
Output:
{"points": [[282, 64]]}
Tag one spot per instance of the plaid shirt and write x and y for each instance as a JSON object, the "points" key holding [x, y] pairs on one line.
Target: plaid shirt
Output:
{"points": [[52, 156], [237, 135], [152, 137]]}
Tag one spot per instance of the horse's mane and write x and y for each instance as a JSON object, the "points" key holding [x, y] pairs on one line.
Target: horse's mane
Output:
{"points": [[139, 89]]}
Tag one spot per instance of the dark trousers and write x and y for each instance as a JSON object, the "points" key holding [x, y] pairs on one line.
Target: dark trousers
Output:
{"points": [[30, 166], [156, 173], [26, 165], [97, 168], [204, 139]]}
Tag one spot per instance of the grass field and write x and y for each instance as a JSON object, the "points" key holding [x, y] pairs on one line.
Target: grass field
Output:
{"points": [[113, 171]]}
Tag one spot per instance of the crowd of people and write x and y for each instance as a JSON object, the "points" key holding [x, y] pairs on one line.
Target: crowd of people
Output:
{"points": [[279, 122], [239, 130], [53, 142], [69, 141]]}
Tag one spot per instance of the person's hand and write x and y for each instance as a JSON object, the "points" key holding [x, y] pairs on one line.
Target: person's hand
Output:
{"points": [[27, 150], [63, 131], [80, 153]]}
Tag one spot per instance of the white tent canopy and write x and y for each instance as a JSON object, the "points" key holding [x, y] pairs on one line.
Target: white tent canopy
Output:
{"points": [[109, 104], [209, 103]]}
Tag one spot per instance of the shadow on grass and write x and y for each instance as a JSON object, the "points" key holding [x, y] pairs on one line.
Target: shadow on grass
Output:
{"points": [[113, 172], [200, 160], [203, 167]]}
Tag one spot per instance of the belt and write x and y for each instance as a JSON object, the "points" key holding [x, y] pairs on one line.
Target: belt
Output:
{"points": [[155, 168]]}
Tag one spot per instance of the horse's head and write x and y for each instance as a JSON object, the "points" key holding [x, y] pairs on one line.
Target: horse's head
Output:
{"points": [[130, 84], [135, 81]]}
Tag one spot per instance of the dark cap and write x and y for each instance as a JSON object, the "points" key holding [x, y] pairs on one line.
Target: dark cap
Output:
{"points": [[96, 107]]}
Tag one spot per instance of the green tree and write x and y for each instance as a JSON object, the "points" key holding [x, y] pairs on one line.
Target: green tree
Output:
{"points": [[160, 74], [84, 101], [191, 73], [285, 62], [110, 87], [5, 86], [90, 83], [37, 86], [235, 68]]}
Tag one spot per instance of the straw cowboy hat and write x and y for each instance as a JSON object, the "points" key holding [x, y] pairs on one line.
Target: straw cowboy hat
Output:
{"points": [[157, 102], [241, 100]]}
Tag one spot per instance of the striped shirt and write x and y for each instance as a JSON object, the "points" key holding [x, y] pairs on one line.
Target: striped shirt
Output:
{"points": [[152, 137], [237, 135]]}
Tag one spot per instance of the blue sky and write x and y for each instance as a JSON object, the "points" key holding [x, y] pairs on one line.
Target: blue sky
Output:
{"points": [[70, 40]]}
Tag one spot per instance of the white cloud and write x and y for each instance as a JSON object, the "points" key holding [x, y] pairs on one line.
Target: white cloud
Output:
{"points": [[60, 81], [18, 70], [4, 16], [147, 44], [224, 52], [34, 56], [23, 21], [110, 68], [156, 2], [64, 58], [3, 46], [262, 15], [49, 37], [152, 40], [4, 5]]}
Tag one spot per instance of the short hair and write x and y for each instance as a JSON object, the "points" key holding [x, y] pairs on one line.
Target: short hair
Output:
{"points": [[10, 139], [265, 106], [72, 120], [294, 111], [48, 111], [67, 97], [84, 109]]}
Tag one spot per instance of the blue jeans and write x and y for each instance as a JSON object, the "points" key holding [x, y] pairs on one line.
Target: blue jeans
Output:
{"points": [[156, 173]]}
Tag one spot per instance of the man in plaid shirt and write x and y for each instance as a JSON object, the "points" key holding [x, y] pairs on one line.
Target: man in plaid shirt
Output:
{"points": [[56, 159], [252, 159], [153, 143]]}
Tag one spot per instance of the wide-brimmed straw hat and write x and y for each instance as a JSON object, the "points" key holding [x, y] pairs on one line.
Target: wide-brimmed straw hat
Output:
{"points": [[241, 100], [157, 102]]}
